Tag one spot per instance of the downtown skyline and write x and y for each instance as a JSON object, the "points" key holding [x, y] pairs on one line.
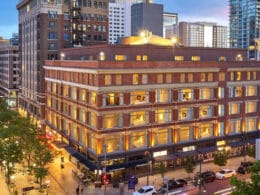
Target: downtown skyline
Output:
{"points": [[192, 11]]}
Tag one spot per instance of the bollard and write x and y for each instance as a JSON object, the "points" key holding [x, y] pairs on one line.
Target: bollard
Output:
{"points": [[121, 188]]}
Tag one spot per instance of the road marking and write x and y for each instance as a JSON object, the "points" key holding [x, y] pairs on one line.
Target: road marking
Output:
{"points": [[224, 191]]}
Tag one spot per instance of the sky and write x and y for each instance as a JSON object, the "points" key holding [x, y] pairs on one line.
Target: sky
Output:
{"points": [[188, 10]]}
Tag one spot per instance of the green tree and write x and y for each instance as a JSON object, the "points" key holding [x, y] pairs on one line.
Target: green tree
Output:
{"points": [[189, 165], [162, 169], [248, 188], [250, 151], [220, 158]]}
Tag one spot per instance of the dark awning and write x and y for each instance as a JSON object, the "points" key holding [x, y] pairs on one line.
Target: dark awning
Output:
{"points": [[189, 153], [251, 141], [207, 149], [235, 144]]}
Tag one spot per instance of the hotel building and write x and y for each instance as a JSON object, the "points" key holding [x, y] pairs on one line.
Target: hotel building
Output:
{"points": [[10, 71], [45, 26], [126, 103]]}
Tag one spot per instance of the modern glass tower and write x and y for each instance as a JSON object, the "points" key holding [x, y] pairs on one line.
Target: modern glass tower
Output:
{"points": [[244, 24]]}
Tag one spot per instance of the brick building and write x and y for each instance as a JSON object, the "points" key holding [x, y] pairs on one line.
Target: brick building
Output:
{"points": [[129, 104]]}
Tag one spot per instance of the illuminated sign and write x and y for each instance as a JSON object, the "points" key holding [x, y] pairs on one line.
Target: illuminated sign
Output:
{"points": [[160, 153]]}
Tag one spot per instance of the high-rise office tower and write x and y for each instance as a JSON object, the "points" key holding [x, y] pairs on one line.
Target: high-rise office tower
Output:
{"points": [[170, 24], [147, 16], [244, 24], [9, 71], [46, 26], [203, 34], [119, 21]]}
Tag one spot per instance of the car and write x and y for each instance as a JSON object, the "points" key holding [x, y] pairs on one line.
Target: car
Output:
{"points": [[225, 173], [173, 184], [145, 190], [243, 168], [207, 176]]}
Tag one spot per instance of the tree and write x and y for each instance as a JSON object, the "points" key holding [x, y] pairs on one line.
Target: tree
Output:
{"points": [[162, 169], [250, 151], [248, 188], [220, 158], [189, 165]]}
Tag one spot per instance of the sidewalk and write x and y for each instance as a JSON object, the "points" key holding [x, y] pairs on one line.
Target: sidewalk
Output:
{"points": [[64, 182]]}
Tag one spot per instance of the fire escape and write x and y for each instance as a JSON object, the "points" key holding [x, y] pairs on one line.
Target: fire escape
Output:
{"points": [[76, 22]]}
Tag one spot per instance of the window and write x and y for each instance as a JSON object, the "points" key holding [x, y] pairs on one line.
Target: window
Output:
{"points": [[73, 112], [52, 46], [235, 91], [239, 57], [52, 35], [145, 58], [234, 126], [52, 24], [139, 118], [138, 139], [120, 57], [110, 141], [66, 90], [161, 136], [73, 93], [251, 124], [185, 134], [159, 78], [92, 119], [202, 77], [112, 121], [206, 93], [251, 90], [195, 58], [163, 95], [108, 79], [251, 106], [234, 108], [178, 58], [221, 92], [182, 77], [118, 79], [206, 111], [190, 77], [222, 59], [210, 76], [138, 58], [144, 78], [221, 110], [135, 78], [185, 95], [232, 76], [185, 113], [205, 130], [221, 129], [221, 76], [139, 97], [238, 76], [163, 115], [82, 115], [168, 78], [112, 99], [92, 98], [82, 95]]}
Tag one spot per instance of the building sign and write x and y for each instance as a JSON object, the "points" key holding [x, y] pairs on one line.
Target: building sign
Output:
{"points": [[221, 143], [160, 153]]}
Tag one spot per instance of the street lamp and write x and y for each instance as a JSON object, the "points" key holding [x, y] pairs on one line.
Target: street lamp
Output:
{"points": [[148, 156]]}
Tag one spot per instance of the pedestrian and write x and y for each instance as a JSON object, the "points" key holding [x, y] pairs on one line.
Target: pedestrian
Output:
{"points": [[81, 190]]}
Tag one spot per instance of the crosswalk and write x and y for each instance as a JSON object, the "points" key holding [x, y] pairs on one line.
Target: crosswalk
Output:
{"points": [[224, 191]]}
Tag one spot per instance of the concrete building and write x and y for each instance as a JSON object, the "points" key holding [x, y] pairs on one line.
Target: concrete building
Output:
{"points": [[244, 24], [9, 71], [119, 21], [203, 34], [45, 26], [147, 16], [170, 25], [130, 104]]}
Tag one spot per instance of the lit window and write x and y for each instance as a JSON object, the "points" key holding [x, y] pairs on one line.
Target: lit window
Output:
{"points": [[82, 95], [221, 129], [159, 78], [251, 106], [238, 76], [178, 58], [92, 119], [251, 90], [73, 92], [162, 95], [138, 58], [139, 97], [221, 92], [234, 126], [205, 130], [190, 77], [161, 136], [168, 78], [118, 79], [185, 113], [66, 91], [221, 76], [185, 95], [195, 58], [111, 99], [120, 57], [221, 110], [144, 78], [135, 79], [163, 115], [82, 115], [239, 57], [102, 56], [206, 93], [93, 98], [206, 111], [234, 108], [112, 120], [202, 77], [251, 124], [108, 79], [185, 133], [235, 91], [222, 58], [145, 58], [210, 76], [110, 141], [138, 139], [182, 77], [139, 118], [232, 76]]}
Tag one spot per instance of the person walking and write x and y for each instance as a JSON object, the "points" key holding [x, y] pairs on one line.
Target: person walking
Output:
{"points": [[77, 190]]}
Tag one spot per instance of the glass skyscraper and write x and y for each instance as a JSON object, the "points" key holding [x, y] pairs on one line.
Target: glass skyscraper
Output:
{"points": [[244, 24]]}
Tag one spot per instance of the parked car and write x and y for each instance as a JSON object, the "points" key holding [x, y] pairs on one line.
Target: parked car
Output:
{"points": [[225, 173], [207, 176], [243, 168], [145, 190], [173, 184]]}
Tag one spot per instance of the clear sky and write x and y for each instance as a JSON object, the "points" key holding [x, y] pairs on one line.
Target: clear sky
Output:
{"points": [[188, 10]]}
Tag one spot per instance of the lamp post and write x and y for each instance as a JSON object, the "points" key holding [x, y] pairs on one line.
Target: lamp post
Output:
{"points": [[147, 155]]}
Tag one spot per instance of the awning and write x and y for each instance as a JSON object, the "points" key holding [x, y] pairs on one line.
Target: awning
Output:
{"points": [[251, 141], [166, 157], [184, 154], [236, 144], [207, 149]]}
